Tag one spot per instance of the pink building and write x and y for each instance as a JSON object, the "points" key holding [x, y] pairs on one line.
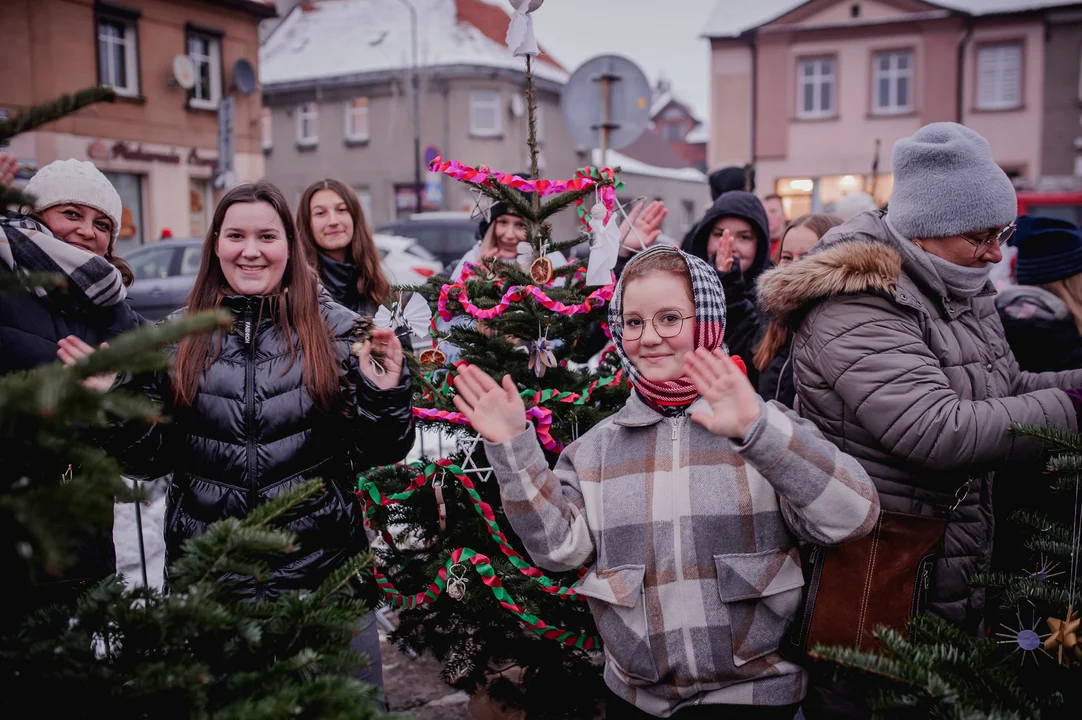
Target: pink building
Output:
{"points": [[815, 93]]}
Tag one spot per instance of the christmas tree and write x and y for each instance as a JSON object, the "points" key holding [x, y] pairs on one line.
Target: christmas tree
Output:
{"points": [[1032, 664], [103, 650], [467, 590]]}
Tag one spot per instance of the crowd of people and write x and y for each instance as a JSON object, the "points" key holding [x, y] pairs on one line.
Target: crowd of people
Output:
{"points": [[881, 370]]}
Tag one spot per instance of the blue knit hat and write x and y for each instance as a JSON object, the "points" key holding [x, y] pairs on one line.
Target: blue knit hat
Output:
{"points": [[1049, 249], [946, 183]]}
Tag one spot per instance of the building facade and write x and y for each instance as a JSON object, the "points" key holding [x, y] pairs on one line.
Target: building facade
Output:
{"points": [[158, 143], [337, 87], [816, 93]]}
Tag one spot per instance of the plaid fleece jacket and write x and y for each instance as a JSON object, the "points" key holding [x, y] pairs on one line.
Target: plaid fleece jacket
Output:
{"points": [[696, 574]]}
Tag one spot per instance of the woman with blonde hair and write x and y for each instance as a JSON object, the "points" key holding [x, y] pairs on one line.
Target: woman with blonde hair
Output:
{"points": [[772, 353], [1042, 314]]}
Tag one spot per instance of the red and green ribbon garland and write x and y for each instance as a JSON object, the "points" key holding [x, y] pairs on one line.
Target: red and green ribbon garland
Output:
{"points": [[488, 576]]}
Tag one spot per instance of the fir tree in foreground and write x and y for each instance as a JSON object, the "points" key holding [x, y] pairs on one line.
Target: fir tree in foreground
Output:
{"points": [[1031, 667]]}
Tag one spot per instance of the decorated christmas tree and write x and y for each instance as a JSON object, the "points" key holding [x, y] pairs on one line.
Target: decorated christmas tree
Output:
{"points": [[1031, 666], [467, 591], [197, 652]]}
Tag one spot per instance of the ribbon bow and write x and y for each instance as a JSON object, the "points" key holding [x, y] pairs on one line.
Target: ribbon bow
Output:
{"points": [[520, 37]]}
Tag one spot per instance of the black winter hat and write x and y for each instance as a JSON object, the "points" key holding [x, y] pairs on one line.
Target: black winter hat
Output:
{"points": [[1049, 249], [731, 178]]}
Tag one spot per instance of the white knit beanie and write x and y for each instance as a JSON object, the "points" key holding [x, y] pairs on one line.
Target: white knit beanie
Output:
{"points": [[79, 183]]}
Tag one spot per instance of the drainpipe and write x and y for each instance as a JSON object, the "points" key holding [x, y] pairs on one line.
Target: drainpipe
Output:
{"points": [[754, 47], [445, 180], [962, 67]]}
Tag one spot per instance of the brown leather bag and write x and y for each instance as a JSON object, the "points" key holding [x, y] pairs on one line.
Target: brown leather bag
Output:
{"points": [[881, 579]]}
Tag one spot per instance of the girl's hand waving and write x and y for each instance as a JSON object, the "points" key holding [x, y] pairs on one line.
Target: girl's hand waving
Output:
{"points": [[735, 406], [495, 411], [72, 349]]}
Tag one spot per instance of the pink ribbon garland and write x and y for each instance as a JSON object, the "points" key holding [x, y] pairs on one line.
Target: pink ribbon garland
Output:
{"points": [[542, 415], [595, 299], [483, 175]]}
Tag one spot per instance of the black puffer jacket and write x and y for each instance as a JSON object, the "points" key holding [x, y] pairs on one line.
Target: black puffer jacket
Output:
{"points": [[340, 282], [254, 432]]}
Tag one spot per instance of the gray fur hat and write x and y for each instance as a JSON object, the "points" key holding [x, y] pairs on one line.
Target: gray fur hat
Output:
{"points": [[946, 183]]}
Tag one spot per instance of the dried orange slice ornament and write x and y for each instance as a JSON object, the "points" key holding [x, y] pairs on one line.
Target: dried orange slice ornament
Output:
{"points": [[433, 357], [541, 271]]}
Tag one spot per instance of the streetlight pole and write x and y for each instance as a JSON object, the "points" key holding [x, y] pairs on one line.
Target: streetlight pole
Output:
{"points": [[415, 82]]}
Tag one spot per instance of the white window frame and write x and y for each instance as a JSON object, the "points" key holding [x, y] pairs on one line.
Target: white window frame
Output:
{"points": [[893, 75], [266, 128], [130, 42], [488, 101], [991, 66], [308, 111], [213, 61], [818, 78], [353, 115]]}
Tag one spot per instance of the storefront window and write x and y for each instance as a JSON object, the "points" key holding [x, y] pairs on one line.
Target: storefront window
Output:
{"points": [[132, 225], [199, 206], [833, 188], [796, 195]]}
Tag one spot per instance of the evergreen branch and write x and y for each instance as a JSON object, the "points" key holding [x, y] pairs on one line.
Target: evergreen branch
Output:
{"points": [[1056, 438], [1036, 522], [40, 115], [13, 197], [26, 282]]}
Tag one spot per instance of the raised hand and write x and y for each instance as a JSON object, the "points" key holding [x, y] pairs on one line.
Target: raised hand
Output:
{"points": [[495, 411], [384, 371], [9, 168], [723, 261], [72, 349], [733, 403], [647, 223]]}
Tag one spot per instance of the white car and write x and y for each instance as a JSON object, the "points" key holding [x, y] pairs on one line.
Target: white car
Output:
{"points": [[404, 260]]}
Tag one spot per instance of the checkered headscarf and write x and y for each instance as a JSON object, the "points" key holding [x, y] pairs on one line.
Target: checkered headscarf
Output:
{"points": [[709, 328]]}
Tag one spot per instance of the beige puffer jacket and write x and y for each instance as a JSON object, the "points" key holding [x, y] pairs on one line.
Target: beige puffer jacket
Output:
{"points": [[917, 386]]}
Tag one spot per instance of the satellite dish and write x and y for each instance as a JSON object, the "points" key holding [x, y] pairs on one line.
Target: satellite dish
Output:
{"points": [[244, 77], [628, 102], [184, 71], [518, 106]]}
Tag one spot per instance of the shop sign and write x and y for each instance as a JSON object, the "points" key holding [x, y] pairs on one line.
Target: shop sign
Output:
{"points": [[100, 150]]}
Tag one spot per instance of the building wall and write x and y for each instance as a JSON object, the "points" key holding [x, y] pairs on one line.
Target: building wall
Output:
{"points": [[1063, 50], [1015, 135], [50, 48], [387, 159], [685, 201], [730, 104]]}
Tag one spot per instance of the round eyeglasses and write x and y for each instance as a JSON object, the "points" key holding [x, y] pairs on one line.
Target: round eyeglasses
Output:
{"points": [[984, 244], [667, 324]]}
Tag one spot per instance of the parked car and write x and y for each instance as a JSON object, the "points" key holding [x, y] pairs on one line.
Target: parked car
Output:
{"points": [[165, 271], [447, 235]]}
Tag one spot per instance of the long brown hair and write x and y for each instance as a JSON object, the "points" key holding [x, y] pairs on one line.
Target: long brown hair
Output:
{"points": [[296, 302], [1069, 290], [777, 334], [362, 248]]}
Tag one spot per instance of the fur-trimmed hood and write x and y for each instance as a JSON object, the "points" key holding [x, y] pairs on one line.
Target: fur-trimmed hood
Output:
{"points": [[859, 256]]}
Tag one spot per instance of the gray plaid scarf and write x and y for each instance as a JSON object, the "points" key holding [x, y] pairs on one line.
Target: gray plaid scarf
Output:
{"points": [[27, 246]]}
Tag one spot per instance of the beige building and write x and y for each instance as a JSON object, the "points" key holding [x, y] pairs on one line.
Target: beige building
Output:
{"points": [[815, 93], [158, 143]]}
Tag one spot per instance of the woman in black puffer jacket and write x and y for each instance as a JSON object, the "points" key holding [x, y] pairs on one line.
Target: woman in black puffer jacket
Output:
{"points": [[279, 399]]}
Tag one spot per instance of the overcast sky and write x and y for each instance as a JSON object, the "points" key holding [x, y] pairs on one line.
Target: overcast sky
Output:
{"points": [[662, 36]]}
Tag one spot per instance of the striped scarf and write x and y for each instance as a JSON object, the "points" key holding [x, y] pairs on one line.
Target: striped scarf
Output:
{"points": [[709, 330], [27, 246]]}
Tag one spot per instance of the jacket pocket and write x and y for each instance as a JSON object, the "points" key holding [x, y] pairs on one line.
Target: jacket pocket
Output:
{"points": [[618, 604], [762, 593]]}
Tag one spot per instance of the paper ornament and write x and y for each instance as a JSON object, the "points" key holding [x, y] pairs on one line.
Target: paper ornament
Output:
{"points": [[604, 247], [525, 257], [520, 36], [415, 316], [541, 356]]}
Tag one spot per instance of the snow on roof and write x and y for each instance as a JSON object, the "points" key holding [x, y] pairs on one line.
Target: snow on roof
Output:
{"points": [[335, 38], [698, 135], [733, 17], [631, 166]]}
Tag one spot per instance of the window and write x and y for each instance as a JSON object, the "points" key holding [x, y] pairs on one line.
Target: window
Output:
{"points": [[267, 129], [673, 132], [357, 119], [484, 113], [892, 78], [118, 55], [999, 76], [129, 187], [364, 195], [206, 54], [815, 88], [308, 123], [152, 264], [191, 259]]}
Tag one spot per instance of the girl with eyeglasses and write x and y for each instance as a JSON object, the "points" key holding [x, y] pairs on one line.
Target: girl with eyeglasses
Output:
{"points": [[687, 505]]}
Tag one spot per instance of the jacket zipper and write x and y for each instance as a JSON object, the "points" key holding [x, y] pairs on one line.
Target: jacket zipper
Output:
{"points": [[678, 559], [249, 414]]}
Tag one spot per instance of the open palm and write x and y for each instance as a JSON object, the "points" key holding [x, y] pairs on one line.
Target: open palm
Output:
{"points": [[494, 410], [733, 403]]}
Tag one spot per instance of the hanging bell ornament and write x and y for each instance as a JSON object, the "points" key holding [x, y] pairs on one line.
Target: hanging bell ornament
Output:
{"points": [[541, 271], [456, 582]]}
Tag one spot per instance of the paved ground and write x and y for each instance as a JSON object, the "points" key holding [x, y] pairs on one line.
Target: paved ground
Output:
{"points": [[414, 687]]}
